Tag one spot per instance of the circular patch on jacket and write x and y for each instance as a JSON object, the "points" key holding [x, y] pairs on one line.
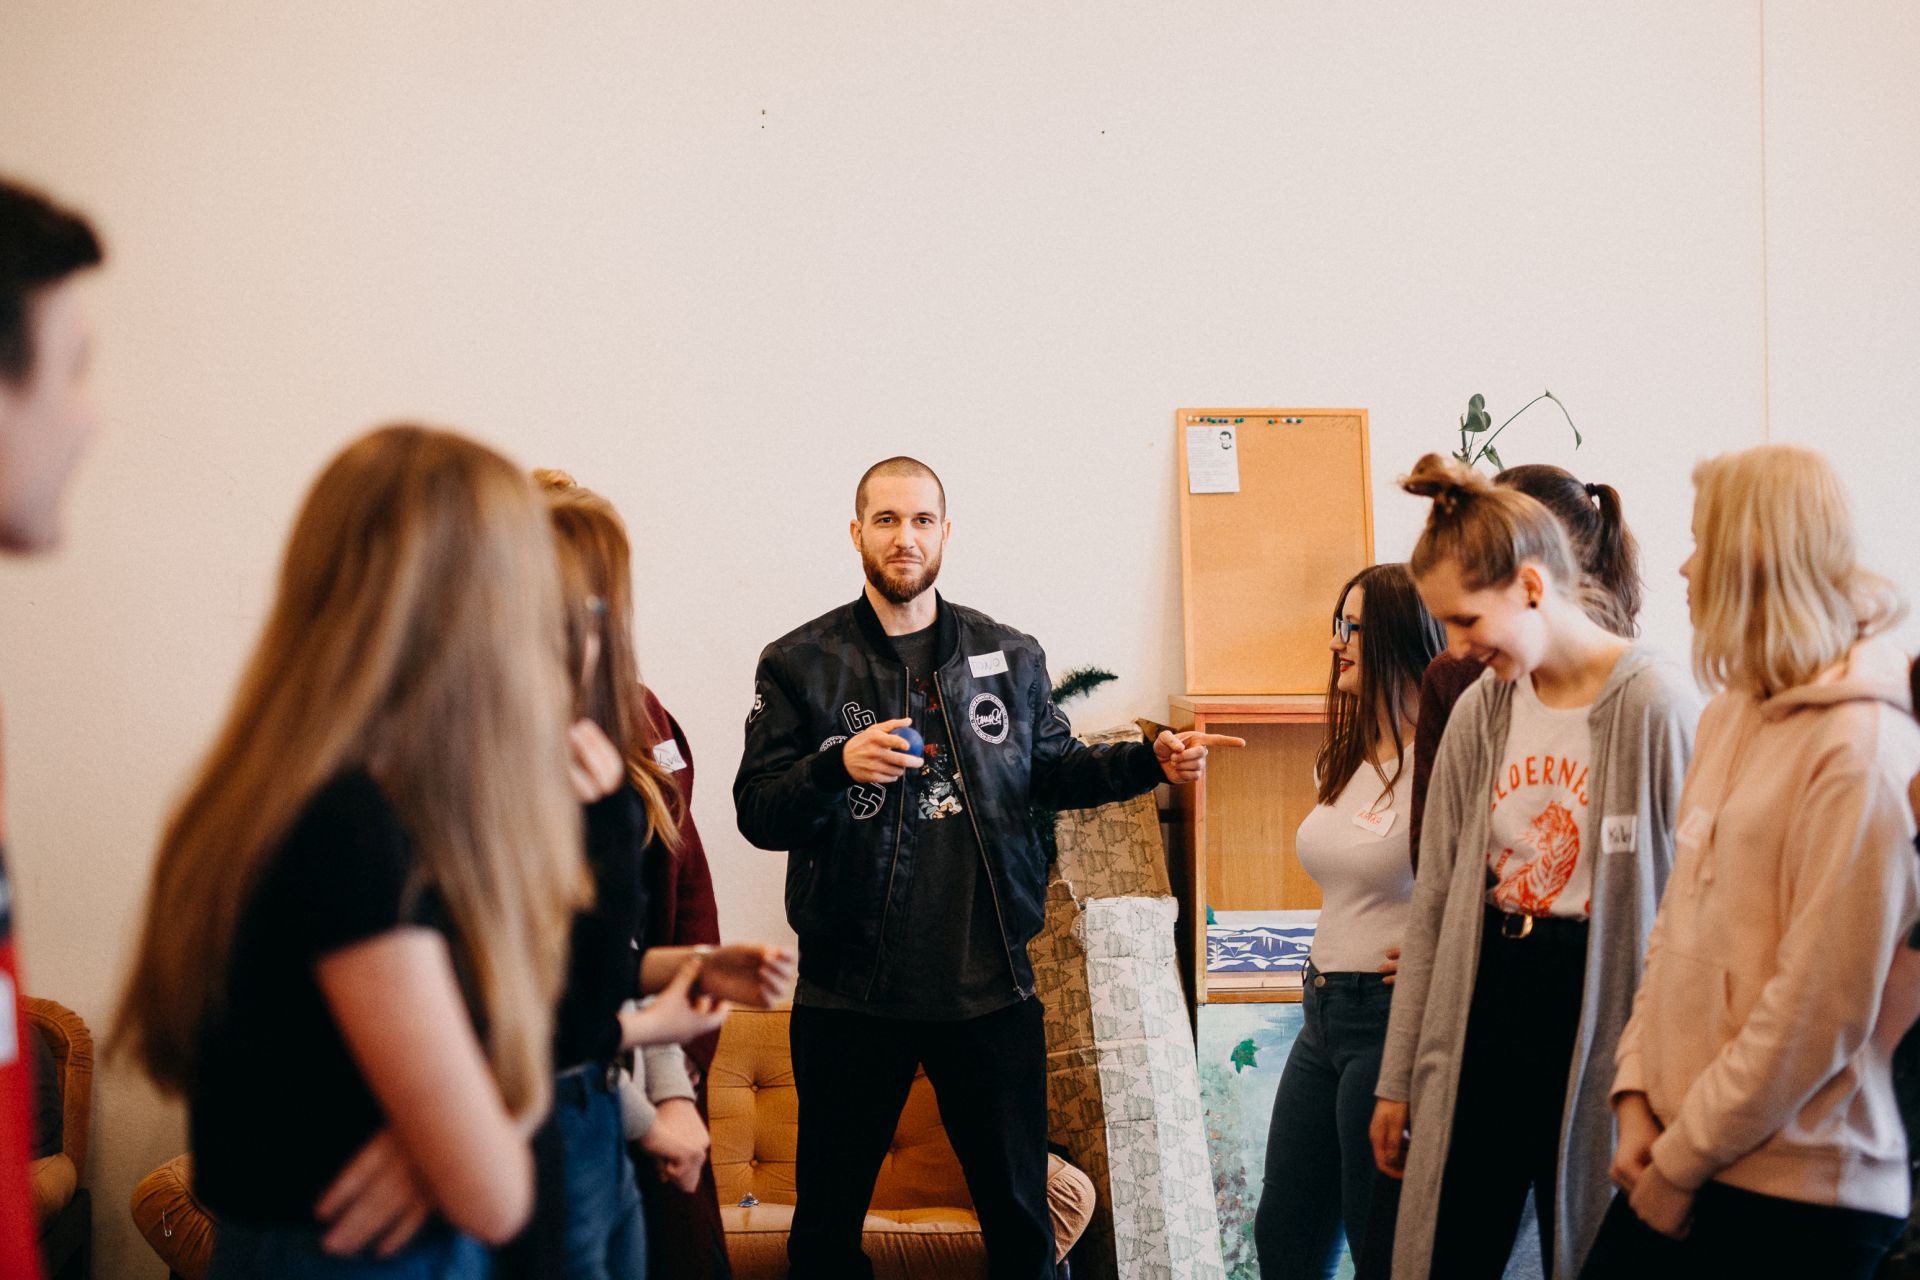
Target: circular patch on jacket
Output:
{"points": [[988, 716]]}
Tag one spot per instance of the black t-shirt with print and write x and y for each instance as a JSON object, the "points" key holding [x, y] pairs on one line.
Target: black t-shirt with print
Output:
{"points": [[944, 957]]}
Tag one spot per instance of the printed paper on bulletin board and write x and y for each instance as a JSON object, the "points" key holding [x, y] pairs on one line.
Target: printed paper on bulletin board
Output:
{"points": [[1260, 567]]}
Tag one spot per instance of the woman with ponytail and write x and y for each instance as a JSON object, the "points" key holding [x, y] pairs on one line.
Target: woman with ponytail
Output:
{"points": [[1547, 838]]}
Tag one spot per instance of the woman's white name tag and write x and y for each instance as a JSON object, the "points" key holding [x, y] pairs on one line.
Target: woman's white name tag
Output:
{"points": [[1378, 823]]}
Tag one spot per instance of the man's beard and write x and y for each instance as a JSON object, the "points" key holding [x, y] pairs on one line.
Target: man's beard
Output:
{"points": [[898, 587]]}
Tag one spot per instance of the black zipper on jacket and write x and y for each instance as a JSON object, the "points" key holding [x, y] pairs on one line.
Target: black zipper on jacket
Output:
{"points": [[986, 863], [899, 828]]}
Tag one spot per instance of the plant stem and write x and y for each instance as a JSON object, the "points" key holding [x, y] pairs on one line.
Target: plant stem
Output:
{"points": [[1509, 422]]}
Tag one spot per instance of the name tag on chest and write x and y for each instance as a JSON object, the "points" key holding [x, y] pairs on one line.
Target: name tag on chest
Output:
{"points": [[988, 664], [667, 756], [1378, 823], [1617, 833]]}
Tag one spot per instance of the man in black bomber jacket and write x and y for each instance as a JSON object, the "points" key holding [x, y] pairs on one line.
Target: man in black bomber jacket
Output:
{"points": [[914, 878]]}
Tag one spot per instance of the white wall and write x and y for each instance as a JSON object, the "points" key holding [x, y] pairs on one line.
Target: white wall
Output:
{"points": [[714, 258], [1843, 257]]}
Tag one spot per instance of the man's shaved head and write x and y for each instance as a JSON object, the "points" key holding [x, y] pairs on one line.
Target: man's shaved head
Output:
{"points": [[901, 466]]}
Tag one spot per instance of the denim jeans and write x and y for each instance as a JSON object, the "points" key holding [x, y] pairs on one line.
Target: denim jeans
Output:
{"points": [[605, 1235], [1320, 1176], [241, 1252]]}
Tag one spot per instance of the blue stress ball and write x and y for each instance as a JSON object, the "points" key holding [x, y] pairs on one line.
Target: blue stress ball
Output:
{"points": [[916, 745]]}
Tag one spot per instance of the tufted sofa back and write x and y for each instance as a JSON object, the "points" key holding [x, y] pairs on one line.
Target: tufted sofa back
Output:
{"points": [[755, 1123]]}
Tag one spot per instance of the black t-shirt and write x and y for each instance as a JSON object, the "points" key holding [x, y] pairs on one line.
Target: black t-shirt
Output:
{"points": [[278, 1106], [603, 966], [944, 957]]}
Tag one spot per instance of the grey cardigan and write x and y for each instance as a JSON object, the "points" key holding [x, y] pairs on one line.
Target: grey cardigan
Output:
{"points": [[1642, 725]]}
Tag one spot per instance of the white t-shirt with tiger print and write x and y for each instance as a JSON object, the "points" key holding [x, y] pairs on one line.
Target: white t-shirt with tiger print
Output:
{"points": [[1538, 837]]}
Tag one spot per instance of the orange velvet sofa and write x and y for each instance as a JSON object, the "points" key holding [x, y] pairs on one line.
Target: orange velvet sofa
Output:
{"points": [[921, 1223]]}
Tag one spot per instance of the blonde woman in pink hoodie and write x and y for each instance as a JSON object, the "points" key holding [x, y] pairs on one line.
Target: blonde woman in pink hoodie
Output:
{"points": [[1758, 1130]]}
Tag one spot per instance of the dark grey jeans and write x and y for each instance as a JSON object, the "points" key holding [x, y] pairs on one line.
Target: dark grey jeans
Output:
{"points": [[1320, 1177]]}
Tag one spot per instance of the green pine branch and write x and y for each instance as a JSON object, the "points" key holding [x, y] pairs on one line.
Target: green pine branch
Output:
{"points": [[1079, 682]]}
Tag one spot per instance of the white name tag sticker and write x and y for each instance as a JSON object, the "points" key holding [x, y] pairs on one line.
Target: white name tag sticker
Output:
{"points": [[1378, 823], [1695, 827], [667, 756], [1618, 832], [988, 664]]}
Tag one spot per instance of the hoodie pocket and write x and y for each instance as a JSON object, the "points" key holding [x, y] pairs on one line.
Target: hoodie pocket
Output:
{"points": [[1692, 1018]]}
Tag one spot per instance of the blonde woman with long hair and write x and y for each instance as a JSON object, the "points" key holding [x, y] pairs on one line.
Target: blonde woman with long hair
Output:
{"points": [[1759, 1131], [359, 914]]}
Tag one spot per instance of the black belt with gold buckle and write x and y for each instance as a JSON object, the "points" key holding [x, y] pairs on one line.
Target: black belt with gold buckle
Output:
{"points": [[1515, 925]]}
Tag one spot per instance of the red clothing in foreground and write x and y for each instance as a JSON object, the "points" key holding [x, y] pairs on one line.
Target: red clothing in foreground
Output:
{"points": [[19, 1236]]}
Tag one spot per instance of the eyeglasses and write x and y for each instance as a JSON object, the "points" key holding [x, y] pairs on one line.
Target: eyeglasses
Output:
{"points": [[1342, 629]]}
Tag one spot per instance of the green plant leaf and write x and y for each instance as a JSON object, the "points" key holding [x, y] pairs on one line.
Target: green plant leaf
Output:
{"points": [[1493, 456], [1081, 681], [1476, 419]]}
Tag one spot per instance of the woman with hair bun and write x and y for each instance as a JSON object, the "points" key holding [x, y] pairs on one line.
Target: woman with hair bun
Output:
{"points": [[1547, 838], [1607, 554]]}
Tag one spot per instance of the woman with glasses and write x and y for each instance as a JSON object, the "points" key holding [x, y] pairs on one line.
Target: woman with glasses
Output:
{"points": [[1319, 1171]]}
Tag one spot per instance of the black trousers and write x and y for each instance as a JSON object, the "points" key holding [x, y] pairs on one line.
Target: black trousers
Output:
{"points": [[1743, 1233], [1513, 1087], [853, 1072]]}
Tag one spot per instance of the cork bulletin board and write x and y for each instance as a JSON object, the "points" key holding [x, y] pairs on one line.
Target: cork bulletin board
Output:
{"points": [[1260, 565]]}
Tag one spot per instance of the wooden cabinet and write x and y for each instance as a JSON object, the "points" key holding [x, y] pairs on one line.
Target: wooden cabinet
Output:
{"points": [[1235, 828]]}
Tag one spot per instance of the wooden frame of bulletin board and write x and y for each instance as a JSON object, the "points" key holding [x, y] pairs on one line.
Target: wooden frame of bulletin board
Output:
{"points": [[1259, 568]]}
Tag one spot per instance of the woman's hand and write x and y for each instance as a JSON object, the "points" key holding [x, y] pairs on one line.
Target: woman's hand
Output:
{"points": [[595, 768], [1392, 965], [1638, 1129], [1388, 1133], [678, 1143], [1660, 1204], [755, 974], [675, 1016], [377, 1200]]}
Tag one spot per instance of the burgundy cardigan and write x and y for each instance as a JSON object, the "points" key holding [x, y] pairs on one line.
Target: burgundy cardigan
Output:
{"points": [[1446, 678], [684, 1236]]}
